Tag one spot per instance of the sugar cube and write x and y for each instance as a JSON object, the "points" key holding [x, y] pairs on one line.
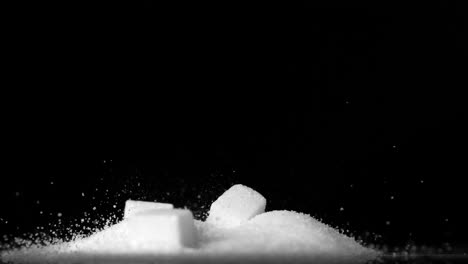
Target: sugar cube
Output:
{"points": [[132, 207], [156, 230], [236, 206]]}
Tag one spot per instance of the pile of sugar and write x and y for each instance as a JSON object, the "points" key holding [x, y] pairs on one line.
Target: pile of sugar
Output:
{"points": [[275, 236]]}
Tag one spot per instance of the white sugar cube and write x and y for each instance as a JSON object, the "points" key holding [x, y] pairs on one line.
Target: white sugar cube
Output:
{"points": [[236, 206], [132, 207], [161, 229]]}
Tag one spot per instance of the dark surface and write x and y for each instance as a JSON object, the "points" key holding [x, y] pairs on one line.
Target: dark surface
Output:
{"points": [[317, 109]]}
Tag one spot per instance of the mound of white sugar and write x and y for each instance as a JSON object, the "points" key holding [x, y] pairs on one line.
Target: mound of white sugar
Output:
{"points": [[281, 232], [172, 236]]}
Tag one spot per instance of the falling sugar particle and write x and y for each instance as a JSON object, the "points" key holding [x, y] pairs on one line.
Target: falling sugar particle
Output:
{"points": [[38, 202], [51, 183], [41, 212], [17, 194], [387, 223], [59, 214], [392, 197], [82, 194], [446, 219], [422, 181], [115, 206], [341, 209], [94, 208]]}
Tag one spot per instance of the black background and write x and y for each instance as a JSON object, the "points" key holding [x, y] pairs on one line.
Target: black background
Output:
{"points": [[327, 111]]}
